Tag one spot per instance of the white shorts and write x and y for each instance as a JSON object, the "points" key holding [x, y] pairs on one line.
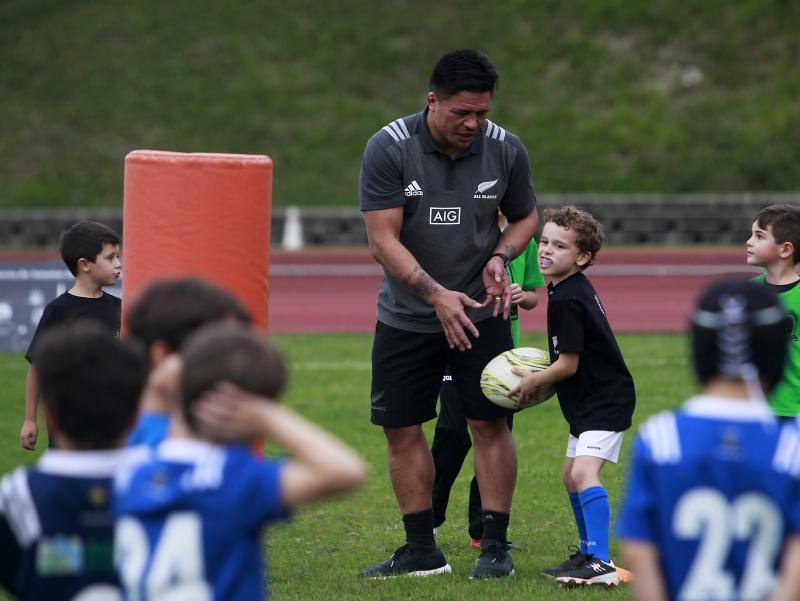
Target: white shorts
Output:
{"points": [[597, 443]]}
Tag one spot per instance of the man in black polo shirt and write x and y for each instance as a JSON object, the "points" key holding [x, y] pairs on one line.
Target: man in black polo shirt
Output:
{"points": [[430, 187]]}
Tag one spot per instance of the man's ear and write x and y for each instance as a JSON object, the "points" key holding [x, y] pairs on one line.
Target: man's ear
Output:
{"points": [[431, 98]]}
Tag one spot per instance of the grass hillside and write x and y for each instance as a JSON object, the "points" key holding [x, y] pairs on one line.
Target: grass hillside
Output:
{"points": [[609, 95]]}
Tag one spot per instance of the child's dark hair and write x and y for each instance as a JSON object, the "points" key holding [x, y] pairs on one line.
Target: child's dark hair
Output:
{"points": [[784, 220], [84, 240], [170, 310], [90, 383], [589, 233], [229, 353], [463, 71]]}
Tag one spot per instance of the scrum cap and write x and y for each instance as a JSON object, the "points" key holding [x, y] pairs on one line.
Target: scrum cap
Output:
{"points": [[740, 331]]}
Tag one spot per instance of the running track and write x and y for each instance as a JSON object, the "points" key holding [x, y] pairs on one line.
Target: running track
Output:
{"points": [[643, 290]]}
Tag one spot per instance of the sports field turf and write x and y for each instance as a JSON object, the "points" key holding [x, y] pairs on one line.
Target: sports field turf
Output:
{"points": [[317, 555]]}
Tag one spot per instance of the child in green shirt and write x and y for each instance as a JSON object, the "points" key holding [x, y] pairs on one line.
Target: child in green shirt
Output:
{"points": [[774, 244]]}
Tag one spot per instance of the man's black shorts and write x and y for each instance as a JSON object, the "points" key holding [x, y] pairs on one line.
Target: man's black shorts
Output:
{"points": [[407, 370]]}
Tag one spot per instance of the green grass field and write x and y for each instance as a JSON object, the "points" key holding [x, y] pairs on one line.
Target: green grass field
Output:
{"points": [[317, 555]]}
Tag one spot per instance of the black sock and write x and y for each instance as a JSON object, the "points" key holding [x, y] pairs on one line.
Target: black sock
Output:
{"points": [[495, 526], [419, 527]]}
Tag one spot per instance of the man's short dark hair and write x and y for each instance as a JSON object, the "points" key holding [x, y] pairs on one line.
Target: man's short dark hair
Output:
{"points": [[463, 71], [229, 353], [84, 240], [784, 219], [90, 383], [170, 310]]}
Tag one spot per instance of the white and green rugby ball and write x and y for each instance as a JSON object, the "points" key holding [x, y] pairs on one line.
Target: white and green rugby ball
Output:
{"points": [[497, 379]]}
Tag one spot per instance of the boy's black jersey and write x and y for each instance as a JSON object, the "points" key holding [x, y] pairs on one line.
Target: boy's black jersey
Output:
{"points": [[105, 310], [600, 395]]}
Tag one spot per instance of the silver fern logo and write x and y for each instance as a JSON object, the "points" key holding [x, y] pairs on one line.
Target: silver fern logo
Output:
{"points": [[483, 187]]}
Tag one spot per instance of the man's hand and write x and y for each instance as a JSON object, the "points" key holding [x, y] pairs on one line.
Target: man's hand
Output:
{"points": [[449, 306], [498, 290], [228, 414], [29, 434]]}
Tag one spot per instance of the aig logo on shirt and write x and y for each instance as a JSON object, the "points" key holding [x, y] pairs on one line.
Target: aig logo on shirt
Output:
{"points": [[445, 215]]}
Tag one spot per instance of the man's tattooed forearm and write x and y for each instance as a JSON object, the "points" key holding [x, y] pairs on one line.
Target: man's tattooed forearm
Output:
{"points": [[510, 250], [421, 283]]}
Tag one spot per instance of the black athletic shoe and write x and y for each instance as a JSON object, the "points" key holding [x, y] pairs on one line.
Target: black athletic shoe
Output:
{"points": [[593, 571], [475, 544], [411, 559], [569, 564], [494, 560]]}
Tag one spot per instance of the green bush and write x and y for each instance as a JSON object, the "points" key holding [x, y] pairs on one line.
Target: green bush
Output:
{"points": [[608, 95]]}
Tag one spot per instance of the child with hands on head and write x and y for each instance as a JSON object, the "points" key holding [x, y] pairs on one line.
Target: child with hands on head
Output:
{"points": [[203, 488]]}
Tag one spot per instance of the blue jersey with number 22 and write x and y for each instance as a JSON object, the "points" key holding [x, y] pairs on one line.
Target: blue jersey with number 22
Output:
{"points": [[189, 522], [715, 487]]}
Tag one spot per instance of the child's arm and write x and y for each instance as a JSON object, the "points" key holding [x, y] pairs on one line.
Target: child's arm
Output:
{"points": [[530, 382], [30, 431], [648, 581], [527, 299], [321, 466], [162, 390]]}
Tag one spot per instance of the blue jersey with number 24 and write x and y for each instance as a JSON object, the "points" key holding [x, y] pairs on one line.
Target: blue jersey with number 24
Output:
{"points": [[189, 522], [715, 487]]}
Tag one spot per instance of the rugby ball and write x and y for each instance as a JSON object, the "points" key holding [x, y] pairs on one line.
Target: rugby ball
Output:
{"points": [[497, 379]]}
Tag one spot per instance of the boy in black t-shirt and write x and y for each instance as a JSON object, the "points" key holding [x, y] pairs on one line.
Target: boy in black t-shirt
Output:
{"points": [[91, 252], [594, 387]]}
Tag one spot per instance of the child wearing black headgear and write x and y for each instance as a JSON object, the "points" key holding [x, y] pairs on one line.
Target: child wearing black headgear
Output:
{"points": [[712, 509]]}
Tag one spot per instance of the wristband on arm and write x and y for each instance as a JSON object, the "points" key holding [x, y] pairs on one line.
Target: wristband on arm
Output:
{"points": [[503, 256]]}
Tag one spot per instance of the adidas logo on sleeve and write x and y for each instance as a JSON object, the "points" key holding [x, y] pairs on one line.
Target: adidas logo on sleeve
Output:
{"points": [[413, 189]]}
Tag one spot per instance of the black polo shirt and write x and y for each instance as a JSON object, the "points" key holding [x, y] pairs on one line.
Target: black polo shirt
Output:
{"points": [[600, 395], [449, 209]]}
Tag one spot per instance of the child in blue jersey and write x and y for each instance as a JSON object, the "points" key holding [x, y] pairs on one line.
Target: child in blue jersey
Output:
{"points": [[190, 519], [161, 318], [713, 493], [56, 520]]}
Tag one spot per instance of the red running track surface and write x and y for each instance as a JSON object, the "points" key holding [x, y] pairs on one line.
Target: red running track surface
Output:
{"points": [[643, 290]]}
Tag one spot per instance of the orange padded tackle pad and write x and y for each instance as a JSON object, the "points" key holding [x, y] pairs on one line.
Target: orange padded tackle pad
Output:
{"points": [[198, 214]]}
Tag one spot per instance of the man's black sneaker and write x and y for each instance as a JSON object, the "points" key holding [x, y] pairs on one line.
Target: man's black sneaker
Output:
{"points": [[412, 560], [592, 571], [569, 564], [494, 560]]}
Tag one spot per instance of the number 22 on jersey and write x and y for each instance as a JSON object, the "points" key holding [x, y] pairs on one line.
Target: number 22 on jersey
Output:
{"points": [[704, 514]]}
